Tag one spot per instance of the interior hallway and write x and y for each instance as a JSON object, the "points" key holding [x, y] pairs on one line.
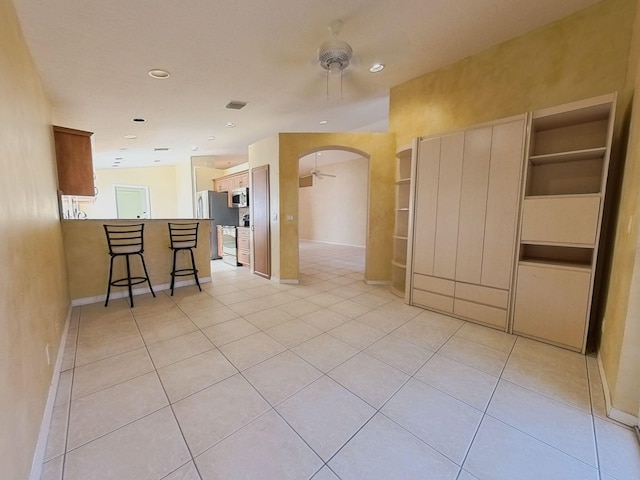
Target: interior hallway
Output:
{"points": [[328, 379]]}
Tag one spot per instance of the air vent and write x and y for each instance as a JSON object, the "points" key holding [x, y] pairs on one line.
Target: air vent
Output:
{"points": [[235, 105], [164, 149]]}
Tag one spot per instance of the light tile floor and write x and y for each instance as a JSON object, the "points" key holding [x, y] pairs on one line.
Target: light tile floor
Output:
{"points": [[328, 379]]}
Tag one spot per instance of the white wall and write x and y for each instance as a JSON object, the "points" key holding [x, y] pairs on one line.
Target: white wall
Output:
{"points": [[334, 210]]}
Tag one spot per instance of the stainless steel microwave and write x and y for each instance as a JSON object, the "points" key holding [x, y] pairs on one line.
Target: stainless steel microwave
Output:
{"points": [[239, 197]]}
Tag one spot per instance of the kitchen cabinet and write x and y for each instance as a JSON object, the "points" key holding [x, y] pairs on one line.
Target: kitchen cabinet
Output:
{"points": [[244, 245], [219, 235], [74, 161], [466, 197], [563, 198], [229, 182]]}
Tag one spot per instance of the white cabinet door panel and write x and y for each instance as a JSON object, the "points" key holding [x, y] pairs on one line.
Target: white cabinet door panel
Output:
{"points": [[502, 204], [449, 184], [473, 204], [426, 204]]}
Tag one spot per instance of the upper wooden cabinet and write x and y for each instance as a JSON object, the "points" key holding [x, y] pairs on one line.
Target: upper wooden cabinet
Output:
{"points": [[229, 182], [75, 162]]}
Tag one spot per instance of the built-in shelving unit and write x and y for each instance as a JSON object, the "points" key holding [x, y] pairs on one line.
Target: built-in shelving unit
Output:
{"points": [[565, 180], [405, 166]]}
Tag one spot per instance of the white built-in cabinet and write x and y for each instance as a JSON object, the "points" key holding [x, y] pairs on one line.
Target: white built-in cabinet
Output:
{"points": [[563, 197], [467, 193], [500, 223], [405, 167]]}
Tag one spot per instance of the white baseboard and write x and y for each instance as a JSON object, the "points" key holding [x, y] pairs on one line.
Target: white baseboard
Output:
{"points": [[136, 291], [377, 282], [41, 445], [289, 281], [614, 413]]}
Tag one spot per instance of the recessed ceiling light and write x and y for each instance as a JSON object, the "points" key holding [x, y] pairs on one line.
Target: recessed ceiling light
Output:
{"points": [[156, 161], [123, 149], [159, 74], [324, 122], [211, 137], [194, 148], [138, 120], [376, 67], [230, 125], [115, 165], [130, 137]]}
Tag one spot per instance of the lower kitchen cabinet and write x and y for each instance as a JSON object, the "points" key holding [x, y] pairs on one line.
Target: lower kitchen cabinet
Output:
{"points": [[244, 246]]}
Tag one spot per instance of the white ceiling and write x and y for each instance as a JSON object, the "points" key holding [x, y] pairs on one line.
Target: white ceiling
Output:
{"points": [[94, 55]]}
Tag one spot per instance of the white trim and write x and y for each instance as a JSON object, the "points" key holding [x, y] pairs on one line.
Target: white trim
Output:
{"points": [[614, 413], [45, 425], [136, 291], [289, 281], [377, 282]]}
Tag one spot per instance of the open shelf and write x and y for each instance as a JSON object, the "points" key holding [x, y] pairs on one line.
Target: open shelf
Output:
{"points": [[554, 255], [571, 156], [567, 173]]}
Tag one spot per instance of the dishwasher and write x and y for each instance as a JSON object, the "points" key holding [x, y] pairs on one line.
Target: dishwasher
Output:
{"points": [[229, 245]]}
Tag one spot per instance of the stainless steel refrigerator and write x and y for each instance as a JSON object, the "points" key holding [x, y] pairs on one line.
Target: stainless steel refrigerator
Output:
{"points": [[215, 206]]}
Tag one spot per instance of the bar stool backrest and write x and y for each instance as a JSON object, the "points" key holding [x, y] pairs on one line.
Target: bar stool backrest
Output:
{"points": [[125, 239], [183, 235]]}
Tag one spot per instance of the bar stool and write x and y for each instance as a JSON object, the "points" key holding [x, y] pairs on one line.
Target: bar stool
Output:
{"points": [[183, 236], [125, 241]]}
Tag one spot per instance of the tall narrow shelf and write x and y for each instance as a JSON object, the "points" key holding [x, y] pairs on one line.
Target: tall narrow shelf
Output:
{"points": [[405, 166], [565, 180]]}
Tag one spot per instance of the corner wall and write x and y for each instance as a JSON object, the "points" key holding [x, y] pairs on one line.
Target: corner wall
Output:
{"points": [[35, 299]]}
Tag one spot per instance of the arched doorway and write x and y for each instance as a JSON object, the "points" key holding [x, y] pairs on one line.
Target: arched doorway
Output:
{"points": [[333, 205]]}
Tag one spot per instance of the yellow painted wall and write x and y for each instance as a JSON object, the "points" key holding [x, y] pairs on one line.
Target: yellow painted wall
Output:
{"points": [[581, 56], [35, 300], [380, 148], [87, 256], [620, 344], [589, 53]]}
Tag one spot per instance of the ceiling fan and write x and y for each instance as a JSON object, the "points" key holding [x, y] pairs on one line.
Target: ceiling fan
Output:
{"points": [[334, 55], [317, 173]]}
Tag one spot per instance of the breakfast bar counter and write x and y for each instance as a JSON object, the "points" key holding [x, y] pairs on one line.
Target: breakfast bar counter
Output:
{"points": [[87, 256]]}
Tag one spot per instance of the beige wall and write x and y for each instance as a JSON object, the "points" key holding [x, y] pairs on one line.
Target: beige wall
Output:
{"points": [[163, 191], [87, 257], [334, 210], [35, 300], [380, 148], [584, 55]]}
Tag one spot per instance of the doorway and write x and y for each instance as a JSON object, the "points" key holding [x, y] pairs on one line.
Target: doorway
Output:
{"points": [[333, 201], [132, 201]]}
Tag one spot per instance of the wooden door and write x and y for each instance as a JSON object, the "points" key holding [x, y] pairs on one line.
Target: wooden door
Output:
{"points": [[260, 220]]}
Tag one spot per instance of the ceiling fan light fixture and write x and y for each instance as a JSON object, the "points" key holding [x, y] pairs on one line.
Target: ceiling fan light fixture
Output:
{"points": [[334, 55]]}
